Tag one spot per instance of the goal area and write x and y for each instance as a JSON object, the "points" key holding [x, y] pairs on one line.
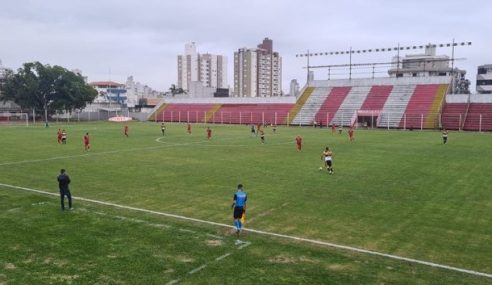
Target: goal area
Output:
{"points": [[19, 119]]}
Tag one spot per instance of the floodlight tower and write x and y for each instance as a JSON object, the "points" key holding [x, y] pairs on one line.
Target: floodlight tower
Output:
{"points": [[398, 48]]}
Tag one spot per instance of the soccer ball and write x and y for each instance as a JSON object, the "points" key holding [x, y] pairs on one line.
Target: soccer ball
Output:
{"points": [[321, 168]]}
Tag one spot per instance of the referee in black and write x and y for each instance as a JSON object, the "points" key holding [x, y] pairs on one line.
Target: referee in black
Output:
{"points": [[63, 182]]}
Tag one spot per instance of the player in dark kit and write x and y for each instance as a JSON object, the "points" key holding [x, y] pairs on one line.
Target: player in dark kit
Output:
{"points": [[188, 129], [262, 136], [64, 137], [63, 182], [239, 206], [163, 129], [327, 157], [209, 133], [125, 130], [444, 136]]}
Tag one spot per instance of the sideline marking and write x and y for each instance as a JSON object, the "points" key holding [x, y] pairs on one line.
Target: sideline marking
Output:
{"points": [[312, 241], [172, 282]]}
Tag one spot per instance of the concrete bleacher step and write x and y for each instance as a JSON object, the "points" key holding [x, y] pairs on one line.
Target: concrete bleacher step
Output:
{"points": [[300, 102], [395, 106], [353, 102], [307, 113]]}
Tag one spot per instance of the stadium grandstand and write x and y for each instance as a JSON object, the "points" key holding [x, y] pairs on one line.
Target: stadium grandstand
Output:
{"points": [[421, 92]]}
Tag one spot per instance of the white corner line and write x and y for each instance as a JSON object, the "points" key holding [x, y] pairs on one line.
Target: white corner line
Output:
{"points": [[312, 241]]}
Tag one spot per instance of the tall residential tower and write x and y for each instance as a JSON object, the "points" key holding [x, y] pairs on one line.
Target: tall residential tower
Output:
{"points": [[258, 71], [209, 69]]}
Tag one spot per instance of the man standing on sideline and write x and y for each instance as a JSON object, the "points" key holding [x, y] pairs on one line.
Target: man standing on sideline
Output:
{"points": [[87, 142], [63, 181], [209, 133], [299, 143], [125, 130], [239, 206]]}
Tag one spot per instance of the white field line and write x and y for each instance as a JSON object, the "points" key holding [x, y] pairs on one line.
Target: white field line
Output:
{"points": [[172, 282], [163, 145], [197, 269], [306, 240], [223, 256], [246, 244]]}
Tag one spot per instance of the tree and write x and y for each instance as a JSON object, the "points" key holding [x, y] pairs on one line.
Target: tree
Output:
{"points": [[175, 91], [49, 88]]}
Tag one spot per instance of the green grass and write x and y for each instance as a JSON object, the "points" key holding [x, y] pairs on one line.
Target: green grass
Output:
{"points": [[396, 192]]}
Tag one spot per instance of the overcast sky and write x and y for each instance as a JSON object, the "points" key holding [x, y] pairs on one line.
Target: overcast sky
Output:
{"points": [[112, 39]]}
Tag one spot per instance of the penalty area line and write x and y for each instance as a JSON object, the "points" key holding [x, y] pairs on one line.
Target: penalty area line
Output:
{"points": [[306, 240]]}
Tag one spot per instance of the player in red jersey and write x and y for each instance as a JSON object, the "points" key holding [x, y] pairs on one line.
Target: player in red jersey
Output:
{"points": [[209, 133], [188, 128], [59, 136], [299, 143], [87, 142], [125, 130], [351, 134]]}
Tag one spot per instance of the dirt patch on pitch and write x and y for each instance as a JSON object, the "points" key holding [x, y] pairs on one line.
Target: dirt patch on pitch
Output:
{"points": [[9, 266], [214, 242], [282, 259]]}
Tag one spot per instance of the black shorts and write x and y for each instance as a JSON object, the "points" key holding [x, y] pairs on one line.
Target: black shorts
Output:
{"points": [[328, 163], [238, 212]]}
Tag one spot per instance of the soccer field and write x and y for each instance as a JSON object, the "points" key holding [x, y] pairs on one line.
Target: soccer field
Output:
{"points": [[401, 193]]}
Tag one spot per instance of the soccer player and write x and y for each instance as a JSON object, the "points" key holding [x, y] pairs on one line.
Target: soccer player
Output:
{"points": [[333, 128], [351, 134], [253, 132], [209, 133], [239, 206], [299, 143], [64, 137], [125, 130], [63, 181], [188, 128], [327, 156], [274, 129], [87, 142], [340, 129], [163, 129], [444, 136], [262, 136], [59, 136]]}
